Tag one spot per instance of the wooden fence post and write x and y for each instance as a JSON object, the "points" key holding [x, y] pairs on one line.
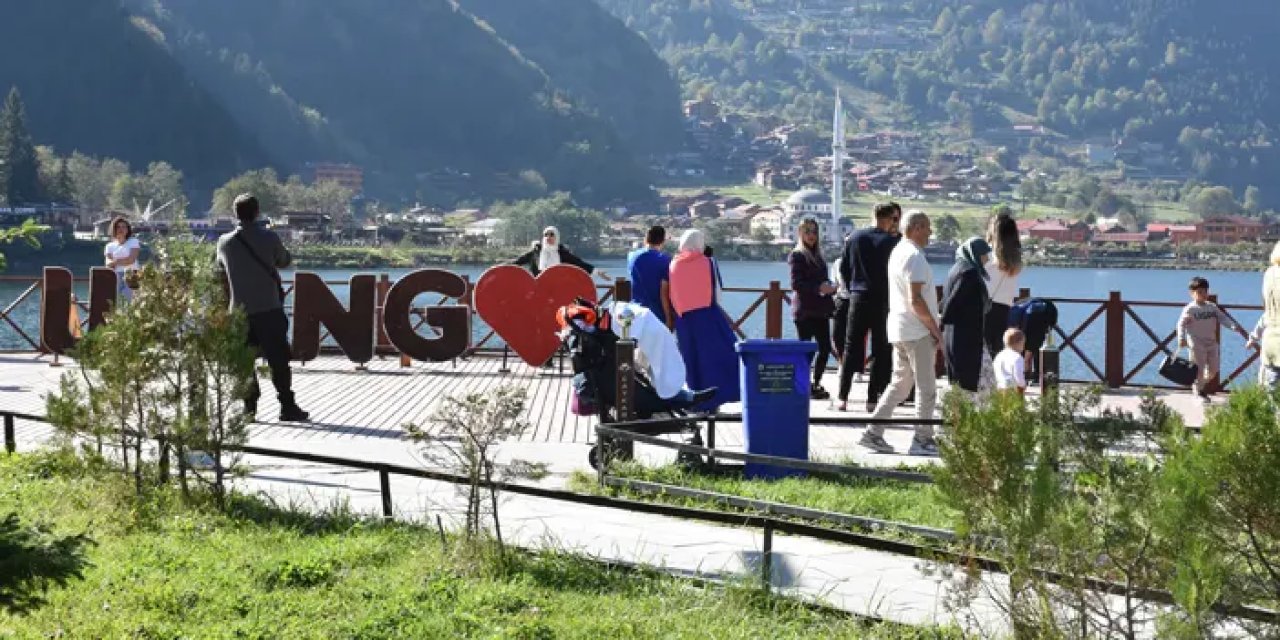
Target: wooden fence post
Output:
{"points": [[1114, 343], [10, 434], [622, 290], [1215, 384], [773, 311], [625, 395], [1023, 294]]}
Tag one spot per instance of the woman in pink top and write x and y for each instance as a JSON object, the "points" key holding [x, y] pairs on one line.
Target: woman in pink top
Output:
{"points": [[702, 329]]}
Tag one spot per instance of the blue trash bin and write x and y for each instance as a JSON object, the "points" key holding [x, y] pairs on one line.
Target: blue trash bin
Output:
{"points": [[775, 402]]}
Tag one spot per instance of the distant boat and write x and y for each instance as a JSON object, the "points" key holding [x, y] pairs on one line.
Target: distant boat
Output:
{"points": [[940, 253]]}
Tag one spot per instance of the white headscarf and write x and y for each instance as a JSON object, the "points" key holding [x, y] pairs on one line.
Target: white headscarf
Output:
{"points": [[550, 254], [693, 240]]}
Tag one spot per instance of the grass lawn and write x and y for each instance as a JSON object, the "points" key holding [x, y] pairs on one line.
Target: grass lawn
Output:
{"points": [[910, 503], [160, 568]]}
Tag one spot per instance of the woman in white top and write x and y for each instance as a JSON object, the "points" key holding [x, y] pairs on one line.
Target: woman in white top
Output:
{"points": [[1002, 278], [122, 254]]}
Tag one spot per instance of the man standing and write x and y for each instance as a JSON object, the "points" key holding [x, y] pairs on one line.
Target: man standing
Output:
{"points": [[649, 270], [250, 257], [864, 266], [913, 332]]}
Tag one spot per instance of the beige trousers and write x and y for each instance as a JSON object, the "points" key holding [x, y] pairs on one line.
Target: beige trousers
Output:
{"points": [[912, 366]]}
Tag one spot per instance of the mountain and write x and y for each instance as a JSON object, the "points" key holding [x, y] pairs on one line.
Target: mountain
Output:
{"points": [[1196, 77], [597, 59], [96, 81], [426, 98]]}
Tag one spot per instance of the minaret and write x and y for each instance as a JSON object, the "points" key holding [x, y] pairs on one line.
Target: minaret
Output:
{"points": [[837, 173]]}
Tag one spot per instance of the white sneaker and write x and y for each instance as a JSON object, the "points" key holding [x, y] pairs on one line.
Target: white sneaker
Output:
{"points": [[920, 447]]}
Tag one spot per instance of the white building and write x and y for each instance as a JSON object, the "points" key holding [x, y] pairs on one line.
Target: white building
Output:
{"points": [[773, 222], [811, 204]]}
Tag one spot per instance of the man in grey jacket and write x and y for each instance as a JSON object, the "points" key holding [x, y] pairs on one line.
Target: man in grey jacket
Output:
{"points": [[250, 257]]}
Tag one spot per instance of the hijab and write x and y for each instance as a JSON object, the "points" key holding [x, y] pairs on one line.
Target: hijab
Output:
{"points": [[693, 240], [970, 254], [549, 255]]}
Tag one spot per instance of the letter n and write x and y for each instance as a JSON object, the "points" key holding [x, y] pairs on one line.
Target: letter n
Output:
{"points": [[315, 305]]}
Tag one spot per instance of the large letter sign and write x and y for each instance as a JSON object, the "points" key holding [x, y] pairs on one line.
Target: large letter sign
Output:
{"points": [[452, 321], [522, 310], [315, 305]]}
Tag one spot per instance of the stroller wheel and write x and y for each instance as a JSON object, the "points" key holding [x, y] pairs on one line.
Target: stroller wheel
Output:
{"points": [[691, 461], [617, 452]]}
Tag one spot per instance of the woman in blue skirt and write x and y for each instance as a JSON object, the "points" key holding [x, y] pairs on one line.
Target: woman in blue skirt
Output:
{"points": [[702, 329]]}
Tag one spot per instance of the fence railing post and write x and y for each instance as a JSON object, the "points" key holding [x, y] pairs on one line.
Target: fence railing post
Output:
{"points": [[711, 441], [384, 480], [10, 435], [766, 556], [1024, 293], [1049, 368], [622, 290], [773, 311], [625, 384], [1114, 343], [1215, 384]]}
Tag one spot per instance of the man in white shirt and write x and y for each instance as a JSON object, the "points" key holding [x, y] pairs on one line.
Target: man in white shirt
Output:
{"points": [[913, 331]]}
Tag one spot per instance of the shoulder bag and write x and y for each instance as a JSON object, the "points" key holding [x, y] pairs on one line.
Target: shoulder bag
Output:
{"points": [[275, 275]]}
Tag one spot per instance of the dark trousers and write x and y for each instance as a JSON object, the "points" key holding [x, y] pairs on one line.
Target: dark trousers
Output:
{"points": [[818, 329], [269, 332], [994, 326], [840, 326], [866, 316]]}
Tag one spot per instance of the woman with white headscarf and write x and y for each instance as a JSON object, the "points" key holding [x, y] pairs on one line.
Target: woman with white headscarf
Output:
{"points": [[549, 253], [702, 329]]}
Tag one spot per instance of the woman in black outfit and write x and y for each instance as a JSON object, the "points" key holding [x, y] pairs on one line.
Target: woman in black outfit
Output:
{"points": [[965, 302], [812, 305], [550, 252]]}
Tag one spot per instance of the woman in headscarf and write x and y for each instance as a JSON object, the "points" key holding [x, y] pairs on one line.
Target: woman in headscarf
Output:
{"points": [[812, 305], [550, 252], [965, 302], [1002, 274], [702, 329]]}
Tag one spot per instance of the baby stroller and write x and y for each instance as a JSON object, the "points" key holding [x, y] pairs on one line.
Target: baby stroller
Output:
{"points": [[591, 341]]}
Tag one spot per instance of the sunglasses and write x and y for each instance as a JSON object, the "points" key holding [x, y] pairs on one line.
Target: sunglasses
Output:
{"points": [[548, 235]]}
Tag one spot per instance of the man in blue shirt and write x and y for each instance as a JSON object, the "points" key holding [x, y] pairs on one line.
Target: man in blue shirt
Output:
{"points": [[649, 270]]}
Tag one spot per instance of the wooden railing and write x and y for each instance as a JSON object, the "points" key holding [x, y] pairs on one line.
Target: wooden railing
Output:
{"points": [[1110, 359]]}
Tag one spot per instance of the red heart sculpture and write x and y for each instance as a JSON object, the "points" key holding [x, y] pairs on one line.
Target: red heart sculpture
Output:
{"points": [[521, 309]]}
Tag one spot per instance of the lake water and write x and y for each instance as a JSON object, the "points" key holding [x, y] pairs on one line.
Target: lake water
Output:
{"points": [[1238, 288]]}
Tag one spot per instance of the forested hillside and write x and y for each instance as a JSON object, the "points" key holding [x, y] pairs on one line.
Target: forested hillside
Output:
{"points": [[1197, 76], [94, 81], [607, 67], [417, 91], [436, 105]]}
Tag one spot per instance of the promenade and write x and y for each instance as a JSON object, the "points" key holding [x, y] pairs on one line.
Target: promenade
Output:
{"points": [[360, 414]]}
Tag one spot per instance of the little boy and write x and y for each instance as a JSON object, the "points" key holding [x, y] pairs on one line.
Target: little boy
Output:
{"points": [[1198, 328], [1010, 364]]}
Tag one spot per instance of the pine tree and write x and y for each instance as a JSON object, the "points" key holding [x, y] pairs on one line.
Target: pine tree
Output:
{"points": [[65, 190], [19, 169]]}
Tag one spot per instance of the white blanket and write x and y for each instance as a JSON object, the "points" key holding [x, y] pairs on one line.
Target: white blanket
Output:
{"points": [[658, 351]]}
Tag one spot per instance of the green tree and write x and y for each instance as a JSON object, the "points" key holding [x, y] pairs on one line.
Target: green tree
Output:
{"points": [[1252, 200], [327, 197], [159, 189], [948, 228], [523, 222], [19, 165], [1212, 201], [93, 180], [262, 183]]}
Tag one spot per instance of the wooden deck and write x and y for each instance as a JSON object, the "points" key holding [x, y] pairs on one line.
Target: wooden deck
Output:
{"points": [[346, 403], [371, 406]]}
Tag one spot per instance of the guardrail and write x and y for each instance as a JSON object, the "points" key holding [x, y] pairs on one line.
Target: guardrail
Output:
{"points": [[766, 524], [1111, 358]]}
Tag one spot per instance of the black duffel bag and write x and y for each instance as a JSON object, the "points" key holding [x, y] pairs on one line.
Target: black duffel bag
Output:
{"points": [[1179, 370]]}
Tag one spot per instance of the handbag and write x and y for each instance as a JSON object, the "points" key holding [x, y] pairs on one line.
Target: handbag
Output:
{"points": [[582, 401], [275, 275], [1179, 370]]}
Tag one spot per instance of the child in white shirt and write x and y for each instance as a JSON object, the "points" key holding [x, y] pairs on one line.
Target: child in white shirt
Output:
{"points": [[1010, 364]]}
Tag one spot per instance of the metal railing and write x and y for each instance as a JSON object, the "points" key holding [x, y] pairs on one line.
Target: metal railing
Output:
{"points": [[1109, 359], [768, 525]]}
